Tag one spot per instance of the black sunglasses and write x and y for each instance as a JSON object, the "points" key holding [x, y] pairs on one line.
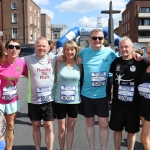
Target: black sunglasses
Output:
{"points": [[95, 38], [12, 47]]}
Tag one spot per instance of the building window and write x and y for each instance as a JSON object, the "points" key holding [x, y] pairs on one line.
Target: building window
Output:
{"points": [[14, 5], [31, 35], [14, 33], [145, 10], [34, 12], [38, 24], [35, 22], [38, 14], [14, 18], [34, 35], [144, 22], [31, 8], [124, 18], [128, 26], [55, 36], [128, 14], [30, 19]]}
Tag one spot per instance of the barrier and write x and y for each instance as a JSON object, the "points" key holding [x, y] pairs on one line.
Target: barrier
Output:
{"points": [[76, 31]]}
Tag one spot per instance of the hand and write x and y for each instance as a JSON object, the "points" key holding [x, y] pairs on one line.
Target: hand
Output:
{"points": [[79, 60], [137, 56], [60, 58]]}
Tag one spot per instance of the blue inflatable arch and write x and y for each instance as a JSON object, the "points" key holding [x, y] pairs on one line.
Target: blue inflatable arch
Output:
{"points": [[75, 32]]}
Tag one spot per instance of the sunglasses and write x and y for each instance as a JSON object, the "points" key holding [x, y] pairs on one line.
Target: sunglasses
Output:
{"points": [[95, 38], [12, 47]]}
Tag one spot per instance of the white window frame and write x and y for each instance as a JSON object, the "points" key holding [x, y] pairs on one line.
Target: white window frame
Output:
{"points": [[30, 19], [31, 35], [14, 5], [128, 15], [34, 12], [38, 24], [31, 8], [14, 18], [34, 35], [35, 22], [14, 33]]}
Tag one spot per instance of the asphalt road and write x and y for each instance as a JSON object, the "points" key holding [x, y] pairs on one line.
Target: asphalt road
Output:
{"points": [[23, 130]]}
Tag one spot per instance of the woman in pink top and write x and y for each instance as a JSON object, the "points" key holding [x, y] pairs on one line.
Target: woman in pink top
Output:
{"points": [[11, 68]]}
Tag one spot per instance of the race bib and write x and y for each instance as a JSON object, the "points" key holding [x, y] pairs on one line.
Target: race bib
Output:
{"points": [[9, 92], [144, 90], [67, 93], [44, 94], [125, 93], [98, 78]]}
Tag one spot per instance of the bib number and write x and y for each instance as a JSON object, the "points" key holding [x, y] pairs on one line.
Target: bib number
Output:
{"points": [[98, 79], [144, 90], [125, 93], [9, 92], [44, 94], [67, 93]]}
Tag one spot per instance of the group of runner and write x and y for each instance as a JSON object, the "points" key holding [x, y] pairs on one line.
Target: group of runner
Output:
{"points": [[46, 102]]}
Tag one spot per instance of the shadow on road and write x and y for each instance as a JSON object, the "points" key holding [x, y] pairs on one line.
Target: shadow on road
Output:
{"points": [[137, 146], [25, 147], [21, 115], [22, 122]]}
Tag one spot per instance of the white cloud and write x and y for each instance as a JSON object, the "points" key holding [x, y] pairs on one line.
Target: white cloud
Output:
{"points": [[92, 21], [48, 12], [84, 6], [41, 2]]}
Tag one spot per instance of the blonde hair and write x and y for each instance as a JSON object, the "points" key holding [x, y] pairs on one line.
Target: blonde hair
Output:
{"points": [[72, 44]]}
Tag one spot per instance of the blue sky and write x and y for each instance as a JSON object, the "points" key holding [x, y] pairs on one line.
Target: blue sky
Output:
{"points": [[80, 13]]}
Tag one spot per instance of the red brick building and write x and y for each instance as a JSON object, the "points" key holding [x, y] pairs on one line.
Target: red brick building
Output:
{"points": [[118, 30], [20, 19], [136, 21]]}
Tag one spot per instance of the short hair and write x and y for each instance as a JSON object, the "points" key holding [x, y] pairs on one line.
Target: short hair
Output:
{"points": [[125, 38], [97, 30], [51, 42], [41, 38], [139, 51], [13, 40], [147, 45], [71, 44]]}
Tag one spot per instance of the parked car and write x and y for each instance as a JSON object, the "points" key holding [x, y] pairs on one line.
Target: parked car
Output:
{"points": [[26, 49]]}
